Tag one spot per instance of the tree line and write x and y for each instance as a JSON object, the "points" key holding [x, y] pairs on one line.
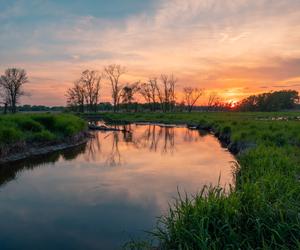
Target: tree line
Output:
{"points": [[158, 93], [272, 101]]}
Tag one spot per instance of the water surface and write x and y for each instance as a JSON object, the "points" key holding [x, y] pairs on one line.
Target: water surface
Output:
{"points": [[99, 195]]}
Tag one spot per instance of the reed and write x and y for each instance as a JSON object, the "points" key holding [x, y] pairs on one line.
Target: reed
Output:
{"points": [[33, 128], [263, 211]]}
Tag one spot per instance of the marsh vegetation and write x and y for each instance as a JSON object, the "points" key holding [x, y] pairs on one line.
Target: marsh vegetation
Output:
{"points": [[263, 210], [19, 132]]}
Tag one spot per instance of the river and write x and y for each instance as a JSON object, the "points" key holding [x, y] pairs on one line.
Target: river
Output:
{"points": [[104, 193]]}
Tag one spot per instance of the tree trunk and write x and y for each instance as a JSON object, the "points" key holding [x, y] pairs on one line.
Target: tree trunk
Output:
{"points": [[115, 107], [5, 108]]}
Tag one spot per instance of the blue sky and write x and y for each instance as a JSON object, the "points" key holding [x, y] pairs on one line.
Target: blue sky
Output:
{"points": [[233, 47], [21, 20], [40, 9]]}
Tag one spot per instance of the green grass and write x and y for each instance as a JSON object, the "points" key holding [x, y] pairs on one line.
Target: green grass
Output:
{"points": [[263, 211], [38, 128]]}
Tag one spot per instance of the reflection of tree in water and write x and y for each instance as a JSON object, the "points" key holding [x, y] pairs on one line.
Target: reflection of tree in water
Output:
{"points": [[153, 137], [93, 148], [192, 135], [127, 133], [169, 140], [114, 157], [156, 138], [148, 139], [95, 145], [10, 171]]}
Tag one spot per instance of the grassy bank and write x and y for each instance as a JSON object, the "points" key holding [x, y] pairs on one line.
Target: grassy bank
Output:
{"points": [[22, 130], [263, 212]]}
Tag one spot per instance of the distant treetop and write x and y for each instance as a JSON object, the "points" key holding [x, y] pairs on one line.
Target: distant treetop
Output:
{"points": [[272, 101]]}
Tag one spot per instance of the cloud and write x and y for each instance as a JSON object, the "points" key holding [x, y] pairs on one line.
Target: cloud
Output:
{"points": [[287, 86], [214, 44], [275, 69]]}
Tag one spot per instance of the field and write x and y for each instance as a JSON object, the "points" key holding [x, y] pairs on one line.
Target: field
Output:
{"points": [[263, 209], [24, 129]]}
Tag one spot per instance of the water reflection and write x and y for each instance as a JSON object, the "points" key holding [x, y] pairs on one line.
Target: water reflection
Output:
{"points": [[10, 171], [100, 194], [151, 137]]}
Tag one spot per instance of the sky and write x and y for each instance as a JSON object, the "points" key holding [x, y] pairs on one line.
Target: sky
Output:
{"points": [[233, 47]]}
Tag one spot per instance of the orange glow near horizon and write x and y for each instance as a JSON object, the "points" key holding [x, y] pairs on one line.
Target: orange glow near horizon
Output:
{"points": [[233, 48], [233, 104]]}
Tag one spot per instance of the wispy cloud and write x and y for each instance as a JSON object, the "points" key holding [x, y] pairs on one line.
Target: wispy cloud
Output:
{"points": [[240, 45]]}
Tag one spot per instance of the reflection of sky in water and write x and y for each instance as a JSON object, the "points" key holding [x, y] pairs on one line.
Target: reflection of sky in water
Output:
{"points": [[110, 190]]}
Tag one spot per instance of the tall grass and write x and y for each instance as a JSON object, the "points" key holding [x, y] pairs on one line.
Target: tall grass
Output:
{"points": [[22, 128], [263, 212]]}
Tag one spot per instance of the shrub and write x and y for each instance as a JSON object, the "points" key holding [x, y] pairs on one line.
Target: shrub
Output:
{"points": [[47, 120], [9, 135], [38, 127], [226, 130], [30, 125], [68, 125], [43, 136]]}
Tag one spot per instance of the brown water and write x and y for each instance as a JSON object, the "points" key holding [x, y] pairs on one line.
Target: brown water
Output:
{"points": [[100, 195]]}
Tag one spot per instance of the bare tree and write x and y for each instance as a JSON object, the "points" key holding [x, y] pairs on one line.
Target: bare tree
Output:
{"points": [[166, 93], [76, 96], [91, 82], [85, 91], [145, 92], [113, 72], [191, 96], [152, 86], [148, 91], [160, 96], [12, 83], [128, 92], [213, 100]]}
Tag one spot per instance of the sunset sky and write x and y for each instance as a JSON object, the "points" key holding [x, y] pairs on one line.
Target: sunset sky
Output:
{"points": [[233, 47]]}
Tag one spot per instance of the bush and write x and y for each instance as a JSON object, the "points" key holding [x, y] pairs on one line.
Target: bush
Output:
{"points": [[9, 135], [47, 120], [43, 136], [226, 130], [29, 125], [38, 127], [68, 125]]}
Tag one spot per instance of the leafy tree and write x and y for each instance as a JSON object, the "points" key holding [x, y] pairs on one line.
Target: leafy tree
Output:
{"points": [[12, 83], [272, 101], [128, 93]]}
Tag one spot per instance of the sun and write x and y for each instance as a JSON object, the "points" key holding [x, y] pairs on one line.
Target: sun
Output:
{"points": [[232, 103]]}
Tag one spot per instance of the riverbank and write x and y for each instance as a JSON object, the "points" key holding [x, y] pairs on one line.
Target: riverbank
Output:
{"points": [[27, 135], [263, 210]]}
